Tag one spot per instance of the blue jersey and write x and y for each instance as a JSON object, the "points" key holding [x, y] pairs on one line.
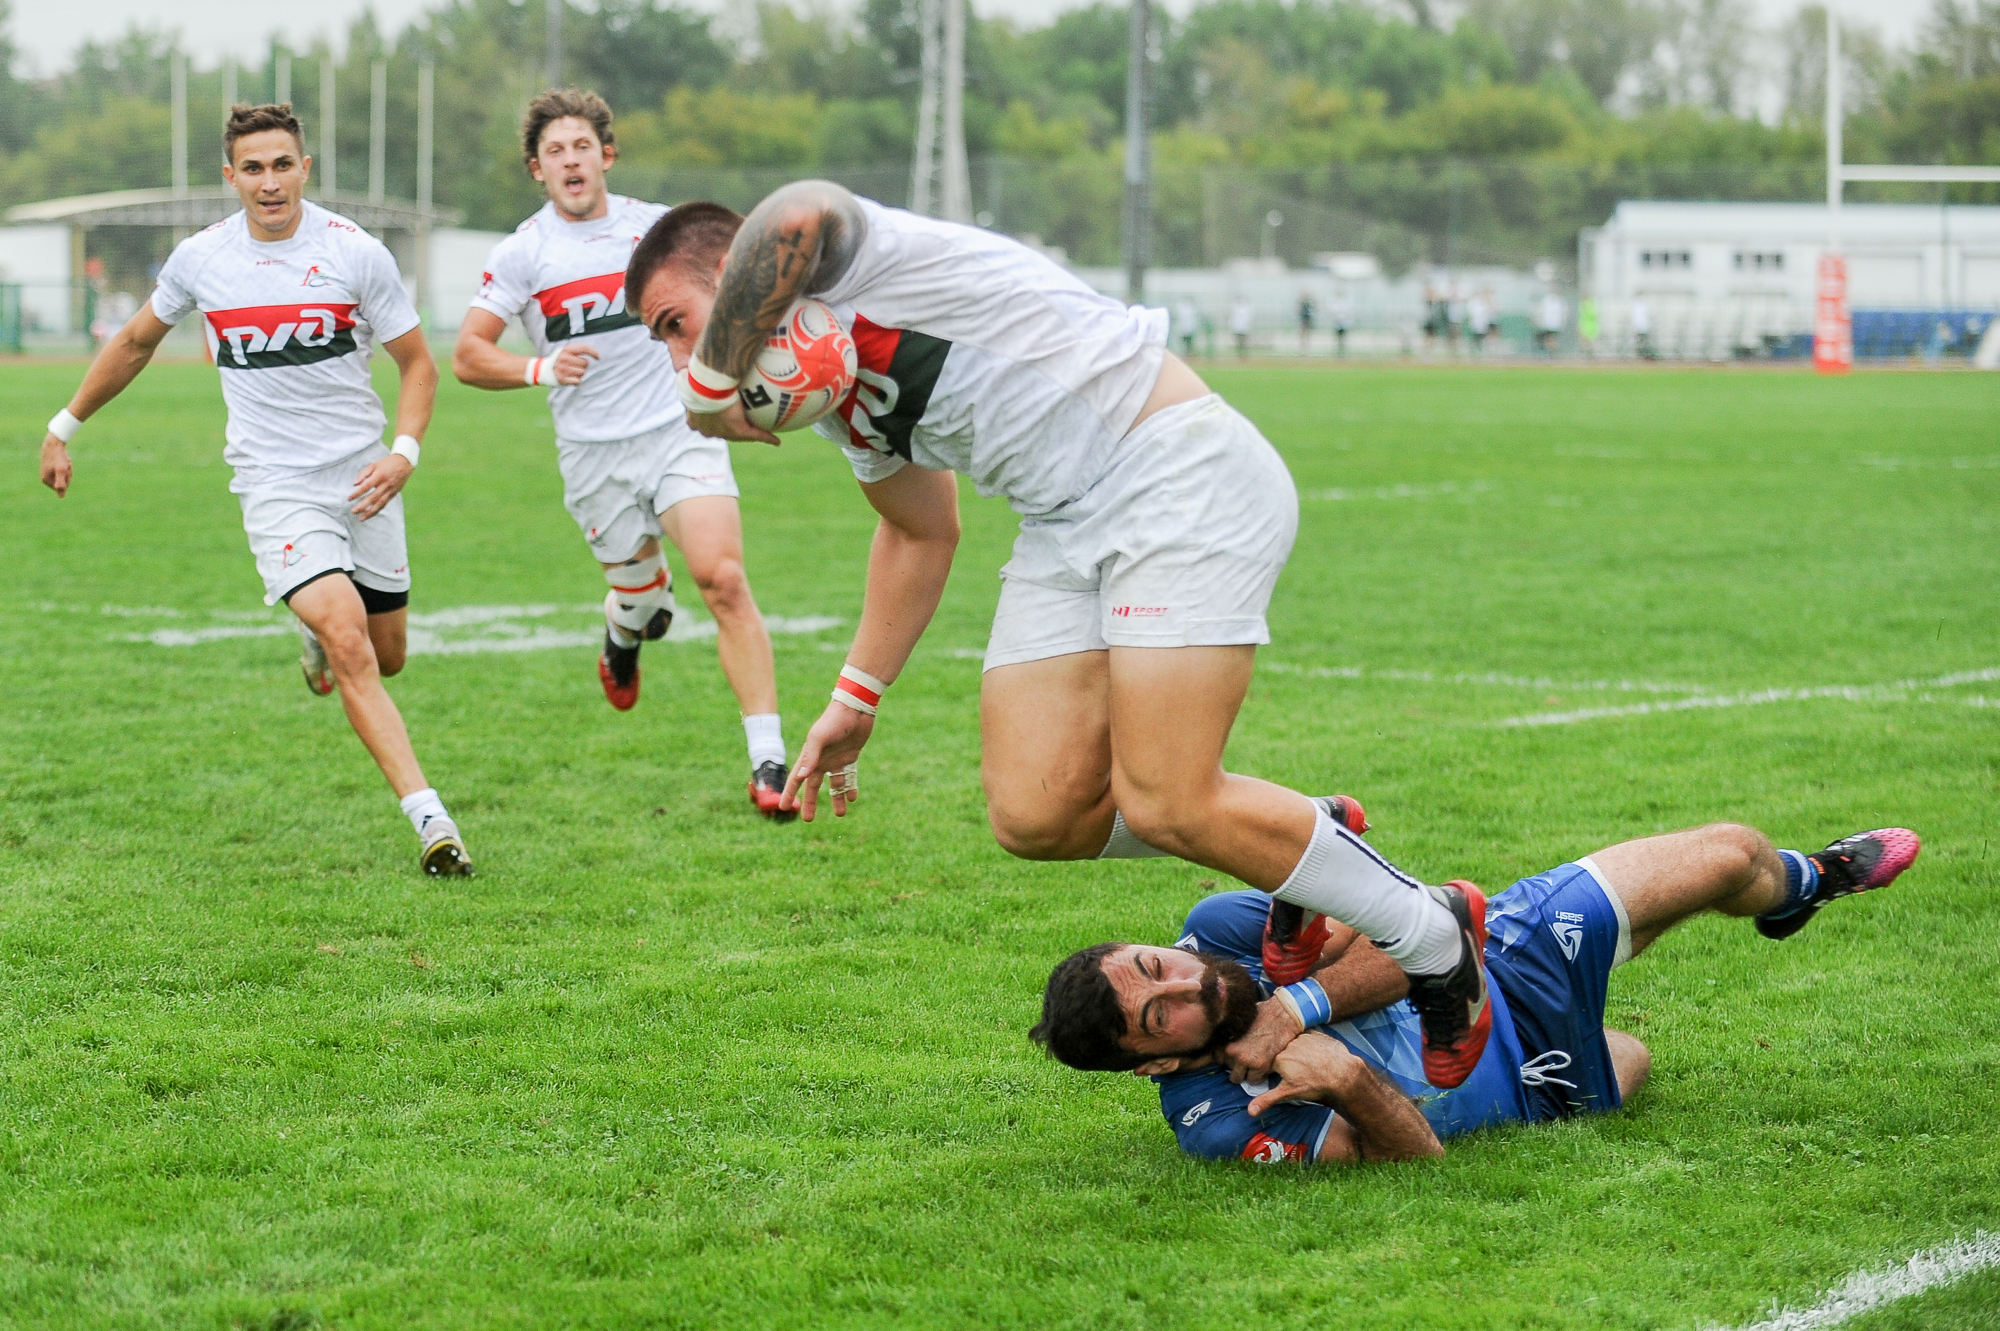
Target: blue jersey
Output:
{"points": [[1211, 1117]]}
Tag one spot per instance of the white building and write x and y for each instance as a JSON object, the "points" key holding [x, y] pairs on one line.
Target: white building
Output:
{"points": [[1716, 279]]}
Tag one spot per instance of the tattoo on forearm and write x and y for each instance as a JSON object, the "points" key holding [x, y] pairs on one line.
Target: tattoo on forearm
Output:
{"points": [[801, 239]]}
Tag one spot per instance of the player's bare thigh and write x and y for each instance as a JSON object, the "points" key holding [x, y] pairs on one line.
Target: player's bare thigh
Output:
{"points": [[708, 531], [1045, 755], [1172, 709], [390, 633], [1661, 880]]}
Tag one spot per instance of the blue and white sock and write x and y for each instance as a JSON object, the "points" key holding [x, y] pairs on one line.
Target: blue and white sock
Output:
{"points": [[1801, 882], [420, 806]]}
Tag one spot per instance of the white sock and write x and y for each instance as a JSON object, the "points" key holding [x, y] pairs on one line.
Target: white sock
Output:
{"points": [[766, 738], [1124, 846], [1341, 875], [421, 806]]}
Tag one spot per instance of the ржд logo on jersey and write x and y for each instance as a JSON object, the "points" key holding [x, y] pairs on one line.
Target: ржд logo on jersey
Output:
{"points": [[260, 337], [587, 305]]}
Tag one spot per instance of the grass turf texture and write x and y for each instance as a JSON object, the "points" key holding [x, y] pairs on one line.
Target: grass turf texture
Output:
{"points": [[663, 1064]]}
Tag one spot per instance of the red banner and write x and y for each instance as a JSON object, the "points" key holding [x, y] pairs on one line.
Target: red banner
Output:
{"points": [[1833, 329]]}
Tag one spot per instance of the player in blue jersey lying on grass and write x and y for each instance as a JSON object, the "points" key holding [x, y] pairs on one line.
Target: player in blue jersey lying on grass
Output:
{"points": [[1331, 1068]]}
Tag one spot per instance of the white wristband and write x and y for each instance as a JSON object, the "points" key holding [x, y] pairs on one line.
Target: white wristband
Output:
{"points": [[859, 689], [533, 377], [704, 391], [406, 446], [64, 426]]}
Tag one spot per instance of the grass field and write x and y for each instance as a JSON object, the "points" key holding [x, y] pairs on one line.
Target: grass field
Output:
{"points": [[663, 1065]]}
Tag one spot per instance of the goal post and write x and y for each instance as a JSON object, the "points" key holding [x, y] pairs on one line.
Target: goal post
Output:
{"points": [[1833, 328]]}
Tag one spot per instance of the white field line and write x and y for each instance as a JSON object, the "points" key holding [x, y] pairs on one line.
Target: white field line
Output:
{"points": [[1486, 679], [500, 628], [1436, 490], [1899, 691], [1865, 1291]]}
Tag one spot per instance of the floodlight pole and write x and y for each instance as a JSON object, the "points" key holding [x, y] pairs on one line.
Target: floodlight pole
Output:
{"points": [[228, 87], [923, 168], [955, 184], [1138, 228], [552, 12], [378, 128], [281, 79], [1835, 185], [426, 128], [180, 112], [327, 94]]}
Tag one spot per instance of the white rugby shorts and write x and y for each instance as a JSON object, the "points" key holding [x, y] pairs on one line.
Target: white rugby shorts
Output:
{"points": [[301, 526], [1177, 545], [616, 491]]}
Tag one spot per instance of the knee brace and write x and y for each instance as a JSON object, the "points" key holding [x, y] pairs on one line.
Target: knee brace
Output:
{"points": [[642, 596]]}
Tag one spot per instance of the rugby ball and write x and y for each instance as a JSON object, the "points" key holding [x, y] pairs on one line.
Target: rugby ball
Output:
{"points": [[805, 369]]}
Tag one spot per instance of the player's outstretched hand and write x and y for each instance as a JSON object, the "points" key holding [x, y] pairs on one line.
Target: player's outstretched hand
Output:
{"points": [[379, 482], [1312, 1067], [730, 423], [55, 465], [572, 362], [1251, 1057], [832, 748]]}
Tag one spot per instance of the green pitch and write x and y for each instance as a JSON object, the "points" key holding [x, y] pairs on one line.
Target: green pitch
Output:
{"points": [[663, 1064]]}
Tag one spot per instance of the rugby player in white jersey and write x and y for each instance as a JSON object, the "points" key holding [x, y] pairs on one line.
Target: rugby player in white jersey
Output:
{"points": [[630, 465], [1155, 521], [292, 299]]}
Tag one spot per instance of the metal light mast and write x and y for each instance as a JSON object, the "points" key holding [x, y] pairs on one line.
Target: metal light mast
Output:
{"points": [[940, 183], [1137, 230]]}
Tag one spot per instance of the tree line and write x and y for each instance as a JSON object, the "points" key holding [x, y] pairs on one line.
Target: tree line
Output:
{"points": [[1306, 98]]}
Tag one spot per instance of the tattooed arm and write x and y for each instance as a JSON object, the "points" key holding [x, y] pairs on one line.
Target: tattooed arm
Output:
{"points": [[802, 239]]}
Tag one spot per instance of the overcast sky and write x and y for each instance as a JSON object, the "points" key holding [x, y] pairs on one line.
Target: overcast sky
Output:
{"points": [[47, 33]]}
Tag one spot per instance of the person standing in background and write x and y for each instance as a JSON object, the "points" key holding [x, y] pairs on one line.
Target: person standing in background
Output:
{"points": [[1241, 317]]}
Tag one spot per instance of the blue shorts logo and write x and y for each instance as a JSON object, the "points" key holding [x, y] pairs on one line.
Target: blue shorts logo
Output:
{"points": [[1193, 1116], [1568, 930]]}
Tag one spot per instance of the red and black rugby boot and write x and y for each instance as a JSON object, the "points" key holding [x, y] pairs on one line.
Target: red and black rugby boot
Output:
{"points": [[1292, 944], [767, 783], [1455, 1009], [1860, 863], [618, 671]]}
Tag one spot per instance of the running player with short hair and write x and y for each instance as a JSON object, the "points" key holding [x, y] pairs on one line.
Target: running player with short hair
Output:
{"points": [[631, 467], [1155, 521], [1347, 1052], [293, 298]]}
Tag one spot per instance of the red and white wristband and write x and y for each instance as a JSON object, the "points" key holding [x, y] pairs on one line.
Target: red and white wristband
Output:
{"points": [[704, 391], [859, 689], [539, 366]]}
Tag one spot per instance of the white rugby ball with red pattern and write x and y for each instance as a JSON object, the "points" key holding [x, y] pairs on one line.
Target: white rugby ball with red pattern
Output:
{"points": [[803, 372]]}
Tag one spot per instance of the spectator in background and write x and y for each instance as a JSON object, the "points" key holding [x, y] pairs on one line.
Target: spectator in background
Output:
{"points": [[1586, 325], [1550, 317], [1187, 322], [1642, 331], [1306, 314], [1455, 313], [1479, 320], [1341, 311], [1241, 317]]}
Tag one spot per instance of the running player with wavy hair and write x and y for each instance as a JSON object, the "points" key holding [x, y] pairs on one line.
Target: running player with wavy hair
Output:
{"points": [[632, 469]]}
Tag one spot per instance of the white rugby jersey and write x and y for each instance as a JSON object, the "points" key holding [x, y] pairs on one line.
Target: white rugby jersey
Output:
{"points": [[565, 281], [290, 325], [979, 355]]}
